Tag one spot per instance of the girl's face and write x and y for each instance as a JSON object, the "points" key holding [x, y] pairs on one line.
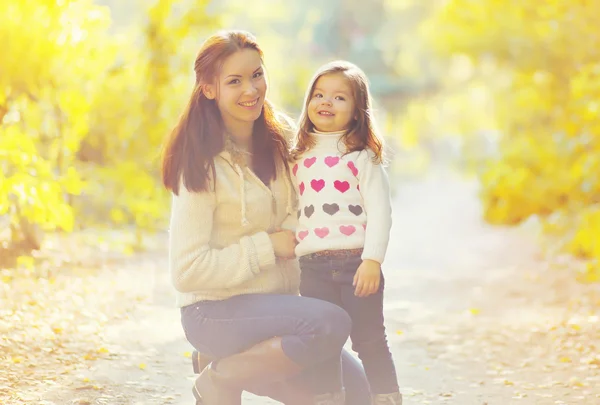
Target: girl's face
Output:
{"points": [[240, 88], [331, 107]]}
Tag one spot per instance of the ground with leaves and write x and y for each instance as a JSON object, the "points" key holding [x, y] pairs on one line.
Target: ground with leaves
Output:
{"points": [[475, 316]]}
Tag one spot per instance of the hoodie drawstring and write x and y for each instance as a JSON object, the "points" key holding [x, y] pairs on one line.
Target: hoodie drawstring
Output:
{"points": [[289, 209]]}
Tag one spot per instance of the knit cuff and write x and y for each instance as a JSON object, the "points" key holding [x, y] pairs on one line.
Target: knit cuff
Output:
{"points": [[374, 254], [264, 250]]}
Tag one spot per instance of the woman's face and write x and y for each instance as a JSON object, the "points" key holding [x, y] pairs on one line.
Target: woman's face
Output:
{"points": [[240, 88]]}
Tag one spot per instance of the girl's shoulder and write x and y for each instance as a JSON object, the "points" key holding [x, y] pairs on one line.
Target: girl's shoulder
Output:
{"points": [[368, 156], [366, 153]]}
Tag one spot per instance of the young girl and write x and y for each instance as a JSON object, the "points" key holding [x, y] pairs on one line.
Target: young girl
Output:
{"points": [[344, 213]]}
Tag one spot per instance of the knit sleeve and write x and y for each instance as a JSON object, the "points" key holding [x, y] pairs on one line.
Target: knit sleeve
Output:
{"points": [[375, 191], [291, 220], [194, 265]]}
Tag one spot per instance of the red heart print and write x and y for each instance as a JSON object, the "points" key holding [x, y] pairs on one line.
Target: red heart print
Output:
{"points": [[301, 187], [347, 229], [317, 185], [321, 232], [341, 186], [295, 169], [331, 160], [309, 162], [302, 235], [353, 168]]}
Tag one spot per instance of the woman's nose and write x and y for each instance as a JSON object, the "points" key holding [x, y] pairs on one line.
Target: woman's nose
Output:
{"points": [[250, 88]]}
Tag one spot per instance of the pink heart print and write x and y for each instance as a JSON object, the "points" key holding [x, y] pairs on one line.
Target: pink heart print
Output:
{"points": [[317, 185], [301, 187], [347, 229], [331, 160], [341, 186], [308, 162], [321, 232], [295, 169], [302, 235], [353, 168]]}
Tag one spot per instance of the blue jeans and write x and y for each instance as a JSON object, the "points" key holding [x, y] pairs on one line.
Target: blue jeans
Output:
{"points": [[313, 333], [330, 278]]}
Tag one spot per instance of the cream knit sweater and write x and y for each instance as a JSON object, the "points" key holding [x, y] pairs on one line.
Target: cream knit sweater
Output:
{"points": [[219, 245]]}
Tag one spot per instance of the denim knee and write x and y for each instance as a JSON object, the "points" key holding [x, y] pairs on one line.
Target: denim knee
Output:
{"points": [[333, 328], [322, 334]]}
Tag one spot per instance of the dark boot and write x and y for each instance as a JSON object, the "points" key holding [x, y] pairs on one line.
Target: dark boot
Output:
{"points": [[394, 398], [200, 361], [222, 382]]}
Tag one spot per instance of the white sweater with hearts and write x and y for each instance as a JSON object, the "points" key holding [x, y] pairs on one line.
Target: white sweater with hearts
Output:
{"points": [[343, 200]]}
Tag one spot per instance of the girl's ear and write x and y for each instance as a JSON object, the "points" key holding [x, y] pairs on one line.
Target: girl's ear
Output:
{"points": [[209, 91]]}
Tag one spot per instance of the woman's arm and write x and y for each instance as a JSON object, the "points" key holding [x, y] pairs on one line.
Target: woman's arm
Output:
{"points": [[194, 264]]}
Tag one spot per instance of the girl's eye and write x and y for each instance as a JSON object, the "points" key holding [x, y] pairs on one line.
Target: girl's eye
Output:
{"points": [[257, 75], [340, 98], [318, 95]]}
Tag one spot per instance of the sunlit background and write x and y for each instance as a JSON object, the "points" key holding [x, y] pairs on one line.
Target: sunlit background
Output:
{"points": [[509, 91], [505, 92]]}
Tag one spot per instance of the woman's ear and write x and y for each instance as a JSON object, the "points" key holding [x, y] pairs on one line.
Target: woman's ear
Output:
{"points": [[209, 91]]}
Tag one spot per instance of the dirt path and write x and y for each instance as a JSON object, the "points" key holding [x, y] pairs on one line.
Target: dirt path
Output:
{"points": [[473, 318]]}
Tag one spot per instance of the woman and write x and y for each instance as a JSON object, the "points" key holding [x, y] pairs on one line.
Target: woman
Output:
{"points": [[231, 256]]}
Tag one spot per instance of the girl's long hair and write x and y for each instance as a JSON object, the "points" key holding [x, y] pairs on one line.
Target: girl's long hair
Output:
{"points": [[362, 133], [192, 145]]}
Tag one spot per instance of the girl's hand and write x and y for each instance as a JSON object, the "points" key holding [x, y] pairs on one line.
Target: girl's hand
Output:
{"points": [[284, 243], [367, 278]]}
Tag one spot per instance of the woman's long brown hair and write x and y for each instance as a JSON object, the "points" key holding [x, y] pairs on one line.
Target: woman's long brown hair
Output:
{"points": [[362, 133], [192, 145]]}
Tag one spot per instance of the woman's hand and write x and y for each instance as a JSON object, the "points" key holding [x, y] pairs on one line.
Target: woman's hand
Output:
{"points": [[284, 243]]}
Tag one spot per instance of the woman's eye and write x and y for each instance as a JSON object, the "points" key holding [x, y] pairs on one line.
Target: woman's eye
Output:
{"points": [[257, 75], [234, 81]]}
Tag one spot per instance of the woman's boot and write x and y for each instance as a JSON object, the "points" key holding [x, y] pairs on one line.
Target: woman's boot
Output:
{"points": [[387, 399], [222, 382], [335, 398]]}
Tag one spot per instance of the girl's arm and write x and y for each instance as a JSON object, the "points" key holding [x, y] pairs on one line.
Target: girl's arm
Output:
{"points": [[194, 264], [375, 191]]}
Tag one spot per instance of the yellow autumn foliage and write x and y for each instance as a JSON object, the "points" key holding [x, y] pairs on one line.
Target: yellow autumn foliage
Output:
{"points": [[84, 110], [44, 106], [546, 96]]}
